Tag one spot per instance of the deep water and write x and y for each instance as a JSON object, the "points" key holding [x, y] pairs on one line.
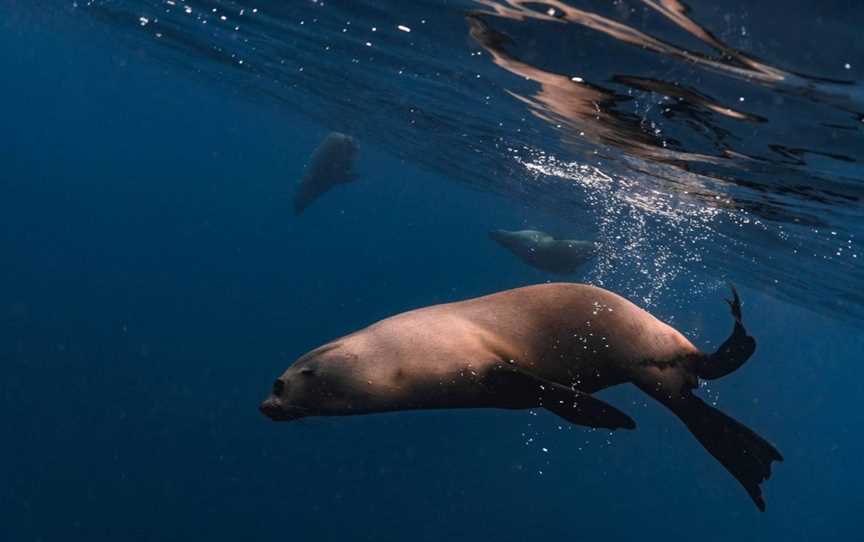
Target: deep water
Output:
{"points": [[154, 280]]}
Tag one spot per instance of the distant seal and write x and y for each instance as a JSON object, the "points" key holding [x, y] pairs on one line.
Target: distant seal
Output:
{"points": [[547, 346], [331, 164], [542, 251]]}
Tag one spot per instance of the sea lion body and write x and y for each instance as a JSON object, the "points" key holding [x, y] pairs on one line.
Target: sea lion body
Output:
{"points": [[331, 164], [547, 346], [580, 336], [542, 251]]}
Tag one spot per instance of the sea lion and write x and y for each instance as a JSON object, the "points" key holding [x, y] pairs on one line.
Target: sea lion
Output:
{"points": [[542, 251], [331, 164], [546, 346]]}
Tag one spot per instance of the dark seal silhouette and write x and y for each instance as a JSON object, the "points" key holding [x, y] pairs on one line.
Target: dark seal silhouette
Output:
{"points": [[542, 251], [331, 164], [547, 346]]}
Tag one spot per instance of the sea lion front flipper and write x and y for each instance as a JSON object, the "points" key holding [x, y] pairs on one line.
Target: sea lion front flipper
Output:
{"points": [[525, 390], [584, 409]]}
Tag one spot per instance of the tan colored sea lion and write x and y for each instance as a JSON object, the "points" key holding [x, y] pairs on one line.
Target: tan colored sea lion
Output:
{"points": [[548, 346]]}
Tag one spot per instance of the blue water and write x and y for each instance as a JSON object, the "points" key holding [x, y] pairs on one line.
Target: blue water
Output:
{"points": [[154, 279]]}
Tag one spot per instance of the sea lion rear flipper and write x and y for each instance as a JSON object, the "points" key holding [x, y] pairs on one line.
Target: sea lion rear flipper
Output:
{"points": [[732, 354], [745, 454], [526, 390]]}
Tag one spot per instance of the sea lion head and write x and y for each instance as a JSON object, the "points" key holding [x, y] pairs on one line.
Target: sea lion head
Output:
{"points": [[328, 381], [340, 151]]}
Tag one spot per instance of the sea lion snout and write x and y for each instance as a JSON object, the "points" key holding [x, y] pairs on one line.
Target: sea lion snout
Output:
{"points": [[273, 408], [499, 236], [270, 407]]}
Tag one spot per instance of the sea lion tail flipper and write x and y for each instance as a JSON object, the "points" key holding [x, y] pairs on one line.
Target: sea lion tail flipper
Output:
{"points": [[743, 453], [525, 390], [732, 354]]}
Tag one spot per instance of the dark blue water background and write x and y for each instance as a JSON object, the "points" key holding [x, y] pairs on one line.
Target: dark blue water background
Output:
{"points": [[154, 279]]}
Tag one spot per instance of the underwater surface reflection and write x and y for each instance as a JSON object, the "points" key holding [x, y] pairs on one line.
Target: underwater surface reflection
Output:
{"points": [[714, 125]]}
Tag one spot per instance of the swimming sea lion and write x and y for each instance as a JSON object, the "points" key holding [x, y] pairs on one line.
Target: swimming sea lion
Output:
{"points": [[331, 164], [547, 346], [542, 251]]}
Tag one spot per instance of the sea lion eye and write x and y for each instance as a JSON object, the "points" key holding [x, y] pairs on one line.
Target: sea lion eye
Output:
{"points": [[278, 387], [307, 371]]}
